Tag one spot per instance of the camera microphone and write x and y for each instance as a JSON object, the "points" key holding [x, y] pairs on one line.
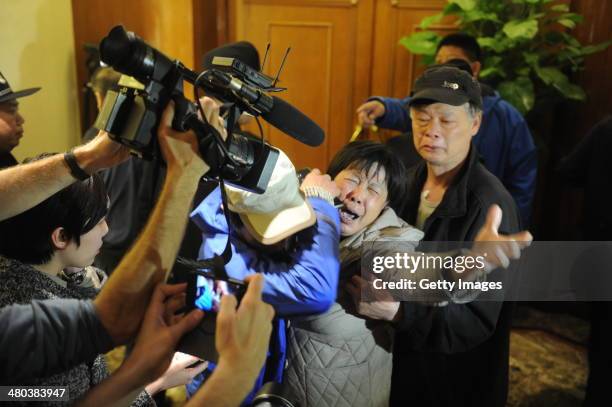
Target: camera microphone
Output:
{"points": [[296, 124], [274, 110]]}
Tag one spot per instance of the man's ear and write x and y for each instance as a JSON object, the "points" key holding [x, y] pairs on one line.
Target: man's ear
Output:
{"points": [[476, 122], [476, 67], [59, 239]]}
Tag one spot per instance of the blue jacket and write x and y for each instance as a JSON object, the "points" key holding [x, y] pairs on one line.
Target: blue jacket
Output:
{"points": [[503, 142], [305, 285]]}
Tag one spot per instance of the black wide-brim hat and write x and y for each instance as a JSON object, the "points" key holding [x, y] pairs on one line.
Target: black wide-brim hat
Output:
{"points": [[6, 93]]}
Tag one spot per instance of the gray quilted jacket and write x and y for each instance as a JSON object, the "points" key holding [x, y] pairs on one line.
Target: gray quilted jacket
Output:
{"points": [[340, 359]]}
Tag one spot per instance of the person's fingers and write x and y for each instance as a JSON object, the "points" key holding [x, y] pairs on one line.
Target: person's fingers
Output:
{"points": [[502, 258], [168, 114], [182, 360], [196, 370], [359, 281], [173, 304], [157, 299], [211, 110], [494, 218], [225, 320], [254, 288], [514, 251], [353, 290], [172, 289], [523, 238], [186, 324]]}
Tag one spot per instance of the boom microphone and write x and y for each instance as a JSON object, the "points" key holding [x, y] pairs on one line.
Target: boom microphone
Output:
{"points": [[294, 123]]}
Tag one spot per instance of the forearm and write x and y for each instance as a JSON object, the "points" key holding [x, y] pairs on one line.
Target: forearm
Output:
{"points": [[25, 186], [120, 389], [396, 115], [226, 387], [122, 302], [46, 337]]}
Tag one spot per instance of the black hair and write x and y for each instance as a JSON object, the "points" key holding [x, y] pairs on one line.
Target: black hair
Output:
{"points": [[77, 208], [466, 42], [365, 155]]}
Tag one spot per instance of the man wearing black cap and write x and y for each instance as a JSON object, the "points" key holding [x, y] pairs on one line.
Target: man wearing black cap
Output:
{"points": [[504, 141], [11, 122], [451, 354]]}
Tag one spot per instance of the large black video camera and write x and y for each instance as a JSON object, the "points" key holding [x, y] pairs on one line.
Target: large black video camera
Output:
{"points": [[131, 114]]}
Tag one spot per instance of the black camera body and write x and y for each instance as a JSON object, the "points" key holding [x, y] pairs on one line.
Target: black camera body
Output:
{"points": [[132, 112]]}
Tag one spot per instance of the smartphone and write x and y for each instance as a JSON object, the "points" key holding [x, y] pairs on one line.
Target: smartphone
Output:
{"points": [[205, 293]]}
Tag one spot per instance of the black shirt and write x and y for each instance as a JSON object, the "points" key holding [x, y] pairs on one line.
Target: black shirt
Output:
{"points": [[7, 160]]}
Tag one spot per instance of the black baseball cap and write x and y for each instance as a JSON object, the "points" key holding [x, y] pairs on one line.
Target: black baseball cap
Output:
{"points": [[446, 84], [6, 93]]}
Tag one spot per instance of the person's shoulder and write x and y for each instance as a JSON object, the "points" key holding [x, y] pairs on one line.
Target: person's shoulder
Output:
{"points": [[496, 105], [487, 189]]}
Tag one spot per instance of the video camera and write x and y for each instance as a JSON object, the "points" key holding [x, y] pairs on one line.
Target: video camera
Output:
{"points": [[131, 114]]}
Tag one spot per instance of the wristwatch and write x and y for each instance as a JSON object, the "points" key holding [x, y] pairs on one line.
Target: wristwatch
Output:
{"points": [[76, 171]]}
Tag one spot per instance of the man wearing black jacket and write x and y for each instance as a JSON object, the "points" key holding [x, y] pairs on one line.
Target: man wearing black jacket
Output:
{"points": [[451, 354]]}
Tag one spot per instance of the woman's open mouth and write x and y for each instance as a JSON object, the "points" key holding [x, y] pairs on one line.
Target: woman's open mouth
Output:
{"points": [[346, 215]]}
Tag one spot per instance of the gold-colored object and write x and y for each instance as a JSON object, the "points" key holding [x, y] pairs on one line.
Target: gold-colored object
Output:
{"points": [[359, 129]]}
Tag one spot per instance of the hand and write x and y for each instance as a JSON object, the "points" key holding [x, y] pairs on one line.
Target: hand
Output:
{"points": [[243, 335], [498, 249], [178, 374], [369, 112], [160, 332], [100, 153], [211, 112], [316, 179], [180, 149], [384, 308]]}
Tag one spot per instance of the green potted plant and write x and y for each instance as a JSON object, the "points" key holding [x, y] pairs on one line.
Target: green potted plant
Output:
{"points": [[529, 51]]}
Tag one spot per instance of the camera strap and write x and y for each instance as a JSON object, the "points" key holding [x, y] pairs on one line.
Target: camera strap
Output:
{"points": [[216, 264]]}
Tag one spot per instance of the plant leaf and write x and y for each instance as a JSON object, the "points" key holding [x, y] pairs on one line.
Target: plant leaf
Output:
{"points": [[478, 15], [466, 5], [451, 8], [571, 91], [567, 23], [491, 43], [427, 21], [560, 7], [421, 43], [550, 75], [532, 59], [577, 18], [518, 93], [591, 49], [521, 29], [492, 71]]}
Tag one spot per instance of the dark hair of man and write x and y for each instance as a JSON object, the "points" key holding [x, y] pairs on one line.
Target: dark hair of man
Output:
{"points": [[77, 208], [464, 41], [365, 155]]}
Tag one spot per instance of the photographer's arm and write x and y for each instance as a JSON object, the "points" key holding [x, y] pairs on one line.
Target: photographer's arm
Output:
{"points": [[122, 302], [26, 185]]}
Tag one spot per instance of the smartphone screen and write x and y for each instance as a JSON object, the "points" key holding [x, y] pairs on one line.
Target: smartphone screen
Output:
{"points": [[209, 292]]}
